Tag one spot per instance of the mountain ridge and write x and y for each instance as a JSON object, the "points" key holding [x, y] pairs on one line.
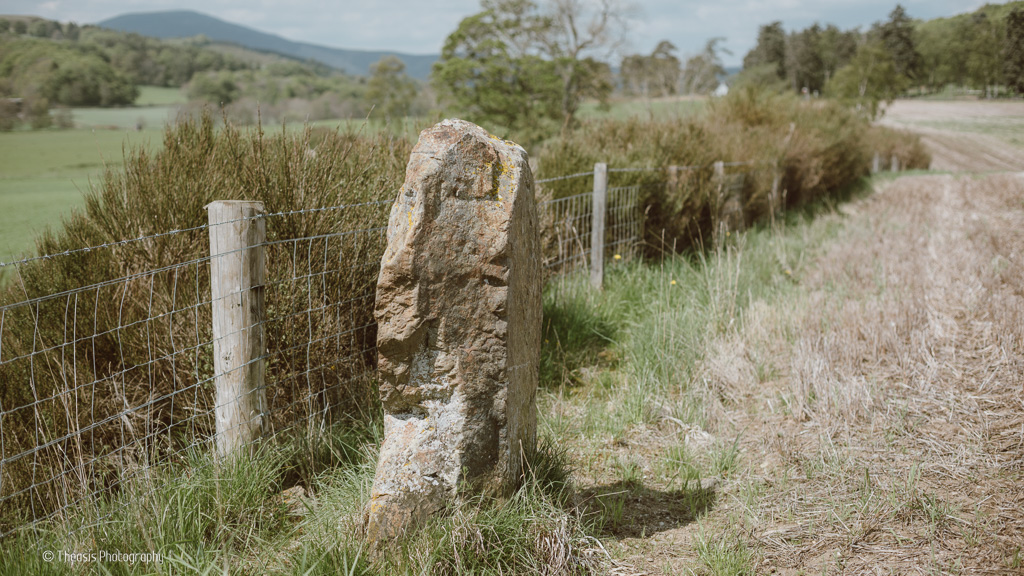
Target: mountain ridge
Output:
{"points": [[189, 23]]}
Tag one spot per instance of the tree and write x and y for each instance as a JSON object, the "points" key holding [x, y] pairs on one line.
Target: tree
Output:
{"points": [[5, 25], [577, 35], [390, 90], [38, 112], [39, 29], [868, 80], [72, 31], [702, 72], [1013, 51], [944, 46], [654, 75], [770, 49], [215, 88], [803, 59], [836, 48], [898, 39], [515, 62], [492, 70], [984, 62], [20, 27]]}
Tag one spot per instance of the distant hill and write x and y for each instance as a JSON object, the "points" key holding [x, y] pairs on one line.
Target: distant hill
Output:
{"points": [[186, 23]]}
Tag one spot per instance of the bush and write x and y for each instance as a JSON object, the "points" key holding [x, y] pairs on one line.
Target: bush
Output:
{"points": [[817, 147], [145, 339], [905, 146]]}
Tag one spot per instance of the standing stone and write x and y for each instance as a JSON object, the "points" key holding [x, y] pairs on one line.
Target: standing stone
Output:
{"points": [[459, 325]]}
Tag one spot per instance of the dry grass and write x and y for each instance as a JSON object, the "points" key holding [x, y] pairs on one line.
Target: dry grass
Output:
{"points": [[965, 135], [867, 420], [891, 440]]}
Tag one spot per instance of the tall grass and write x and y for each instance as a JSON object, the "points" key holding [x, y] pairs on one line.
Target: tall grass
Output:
{"points": [[205, 517], [645, 333], [636, 348], [79, 360]]}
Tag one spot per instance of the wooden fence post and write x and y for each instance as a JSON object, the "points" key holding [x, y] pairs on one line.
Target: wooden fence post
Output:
{"points": [[718, 229], [237, 272], [673, 181], [876, 163], [600, 203], [775, 201], [895, 167], [778, 199]]}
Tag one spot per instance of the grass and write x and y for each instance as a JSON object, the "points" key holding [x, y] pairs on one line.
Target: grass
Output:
{"points": [[124, 118], [45, 172], [280, 512], [1006, 129], [622, 109], [160, 96], [200, 517], [676, 453]]}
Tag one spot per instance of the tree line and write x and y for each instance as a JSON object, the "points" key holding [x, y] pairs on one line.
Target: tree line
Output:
{"points": [[44, 64], [527, 66], [983, 50]]}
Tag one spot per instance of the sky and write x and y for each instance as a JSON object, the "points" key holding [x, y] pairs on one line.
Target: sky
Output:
{"points": [[420, 27]]}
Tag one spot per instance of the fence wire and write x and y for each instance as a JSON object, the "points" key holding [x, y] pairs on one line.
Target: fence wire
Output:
{"points": [[113, 371], [107, 361], [567, 232]]}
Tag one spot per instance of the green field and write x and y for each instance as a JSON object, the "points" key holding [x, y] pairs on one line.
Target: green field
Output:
{"points": [[656, 108], [160, 96], [43, 175]]}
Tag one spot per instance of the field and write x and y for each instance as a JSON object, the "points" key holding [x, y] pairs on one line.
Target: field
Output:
{"points": [[677, 106], [838, 392], [43, 174], [974, 135]]}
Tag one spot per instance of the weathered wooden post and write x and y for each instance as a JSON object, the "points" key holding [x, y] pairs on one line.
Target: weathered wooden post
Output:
{"points": [[876, 163], [672, 185], [600, 207], [895, 165], [775, 201], [729, 201], [719, 192], [458, 329], [238, 233]]}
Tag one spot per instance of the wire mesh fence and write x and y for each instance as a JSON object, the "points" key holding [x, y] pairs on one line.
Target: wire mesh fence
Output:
{"points": [[115, 371], [102, 380], [624, 228], [567, 225], [99, 378]]}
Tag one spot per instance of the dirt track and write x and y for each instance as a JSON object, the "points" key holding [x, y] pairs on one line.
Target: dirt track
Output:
{"points": [[880, 413], [889, 438], [965, 135]]}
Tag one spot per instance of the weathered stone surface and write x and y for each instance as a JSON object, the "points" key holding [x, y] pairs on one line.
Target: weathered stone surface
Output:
{"points": [[459, 319]]}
